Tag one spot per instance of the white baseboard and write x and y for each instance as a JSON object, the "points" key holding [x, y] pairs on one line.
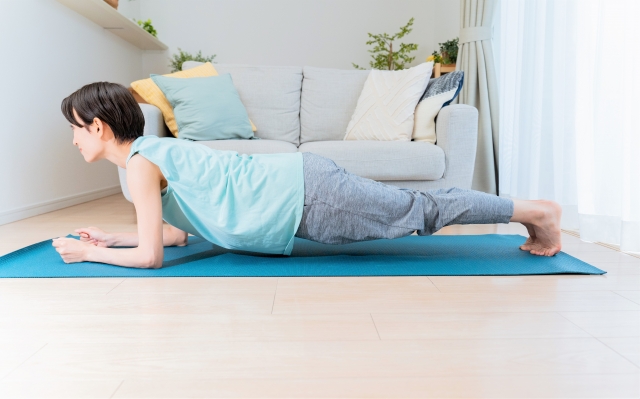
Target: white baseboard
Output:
{"points": [[50, 206]]}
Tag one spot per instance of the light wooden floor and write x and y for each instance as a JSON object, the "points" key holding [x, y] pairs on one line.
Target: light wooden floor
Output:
{"points": [[508, 337]]}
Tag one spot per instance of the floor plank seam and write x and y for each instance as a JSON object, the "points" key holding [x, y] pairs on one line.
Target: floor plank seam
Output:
{"points": [[275, 292], [374, 326], [114, 392], [379, 377], [621, 296], [598, 339], [620, 354], [117, 285], [434, 284], [18, 366]]}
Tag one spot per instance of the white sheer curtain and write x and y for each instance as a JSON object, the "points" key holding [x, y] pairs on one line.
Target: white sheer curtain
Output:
{"points": [[569, 114]]}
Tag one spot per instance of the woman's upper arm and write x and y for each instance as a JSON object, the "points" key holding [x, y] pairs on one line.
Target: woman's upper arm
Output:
{"points": [[143, 180]]}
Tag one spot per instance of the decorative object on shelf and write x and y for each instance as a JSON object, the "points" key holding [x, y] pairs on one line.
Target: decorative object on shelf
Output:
{"points": [[445, 61], [383, 55], [178, 59], [109, 18], [146, 25], [112, 3], [449, 51]]}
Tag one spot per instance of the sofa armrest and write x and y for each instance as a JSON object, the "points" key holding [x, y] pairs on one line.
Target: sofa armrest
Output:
{"points": [[153, 125], [154, 122], [457, 135]]}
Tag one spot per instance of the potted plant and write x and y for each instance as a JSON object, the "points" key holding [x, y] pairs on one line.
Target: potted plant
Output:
{"points": [[445, 61], [146, 25], [384, 57], [449, 52], [178, 59]]}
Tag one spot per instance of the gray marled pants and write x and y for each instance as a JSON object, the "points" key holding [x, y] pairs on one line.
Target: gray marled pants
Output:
{"points": [[340, 207]]}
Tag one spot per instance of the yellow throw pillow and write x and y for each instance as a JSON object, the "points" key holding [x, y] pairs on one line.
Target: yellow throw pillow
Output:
{"points": [[151, 93]]}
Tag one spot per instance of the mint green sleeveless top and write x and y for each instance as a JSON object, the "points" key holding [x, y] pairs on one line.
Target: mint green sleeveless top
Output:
{"points": [[245, 202]]}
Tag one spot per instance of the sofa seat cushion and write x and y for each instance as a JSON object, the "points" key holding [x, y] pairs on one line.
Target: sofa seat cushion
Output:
{"points": [[383, 160], [262, 146]]}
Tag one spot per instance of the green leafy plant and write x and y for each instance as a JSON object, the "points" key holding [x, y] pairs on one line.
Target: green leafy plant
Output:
{"points": [[435, 57], [178, 59], [146, 25], [449, 51], [382, 53]]}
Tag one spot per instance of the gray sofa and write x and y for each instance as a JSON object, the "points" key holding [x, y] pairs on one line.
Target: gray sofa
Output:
{"points": [[308, 109]]}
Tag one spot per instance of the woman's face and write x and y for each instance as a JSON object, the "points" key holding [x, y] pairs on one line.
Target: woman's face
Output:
{"points": [[88, 141]]}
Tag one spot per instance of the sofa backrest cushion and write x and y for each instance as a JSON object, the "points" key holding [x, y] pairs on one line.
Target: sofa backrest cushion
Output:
{"points": [[329, 97], [271, 95]]}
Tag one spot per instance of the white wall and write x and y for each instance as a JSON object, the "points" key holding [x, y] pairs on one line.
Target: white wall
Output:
{"points": [[129, 8], [447, 22], [49, 51], [322, 33]]}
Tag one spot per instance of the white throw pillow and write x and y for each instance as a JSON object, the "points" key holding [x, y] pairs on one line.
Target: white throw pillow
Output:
{"points": [[386, 106], [425, 120]]}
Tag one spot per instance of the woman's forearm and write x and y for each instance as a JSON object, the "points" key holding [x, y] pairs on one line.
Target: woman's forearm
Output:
{"points": [[131, 239], [129, 257], [123, 240]]}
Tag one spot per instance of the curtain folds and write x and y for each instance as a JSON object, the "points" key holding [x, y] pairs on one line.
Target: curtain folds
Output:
{"points": [[476, 59], [570, 128]]}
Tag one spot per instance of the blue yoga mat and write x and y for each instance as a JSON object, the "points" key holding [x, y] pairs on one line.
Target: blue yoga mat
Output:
{"points": [[438, 255]]}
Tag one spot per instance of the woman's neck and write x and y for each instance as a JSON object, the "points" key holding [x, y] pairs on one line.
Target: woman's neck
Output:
{"points": [[118, 154]]}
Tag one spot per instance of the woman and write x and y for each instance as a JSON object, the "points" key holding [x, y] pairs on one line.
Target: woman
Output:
{"points": [[259, 203]]}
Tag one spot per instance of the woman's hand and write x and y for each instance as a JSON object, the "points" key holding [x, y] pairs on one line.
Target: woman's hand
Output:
{"points": [[95, 236], [71, 250]]}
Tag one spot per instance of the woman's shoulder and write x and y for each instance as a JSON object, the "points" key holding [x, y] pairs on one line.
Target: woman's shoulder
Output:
{"points": [[138, 160], [149, 144]]}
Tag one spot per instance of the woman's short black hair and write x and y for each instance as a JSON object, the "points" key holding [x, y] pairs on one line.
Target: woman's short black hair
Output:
{"points": [[112, 103]]}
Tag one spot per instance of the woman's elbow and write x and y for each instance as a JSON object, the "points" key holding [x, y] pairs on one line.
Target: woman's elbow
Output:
{"points": [[153, 262]]}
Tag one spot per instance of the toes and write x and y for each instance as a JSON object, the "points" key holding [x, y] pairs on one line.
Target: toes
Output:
{"points": [[536, 252], [544, 251]]}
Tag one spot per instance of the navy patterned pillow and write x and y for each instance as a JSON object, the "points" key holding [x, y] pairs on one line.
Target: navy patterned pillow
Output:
{"points": [[440, 92]]}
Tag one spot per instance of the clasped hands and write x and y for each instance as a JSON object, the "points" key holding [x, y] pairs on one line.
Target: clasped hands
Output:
{"points": [[72, 250]]}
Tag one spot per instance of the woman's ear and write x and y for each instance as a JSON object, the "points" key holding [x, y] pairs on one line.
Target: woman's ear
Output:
{"points": [[99, 126]]}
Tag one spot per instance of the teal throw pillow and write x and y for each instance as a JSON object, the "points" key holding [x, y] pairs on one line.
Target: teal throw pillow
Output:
{"points": [[206, 108]]}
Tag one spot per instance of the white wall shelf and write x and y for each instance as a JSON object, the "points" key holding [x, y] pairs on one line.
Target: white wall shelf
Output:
{"points": [[109, 18]]}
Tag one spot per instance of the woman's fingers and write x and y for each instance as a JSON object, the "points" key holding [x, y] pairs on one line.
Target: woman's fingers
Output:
{"points": [[84, 235]]}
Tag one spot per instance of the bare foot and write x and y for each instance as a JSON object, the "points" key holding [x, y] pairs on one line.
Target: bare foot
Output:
{"points": [[544, 229]]}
